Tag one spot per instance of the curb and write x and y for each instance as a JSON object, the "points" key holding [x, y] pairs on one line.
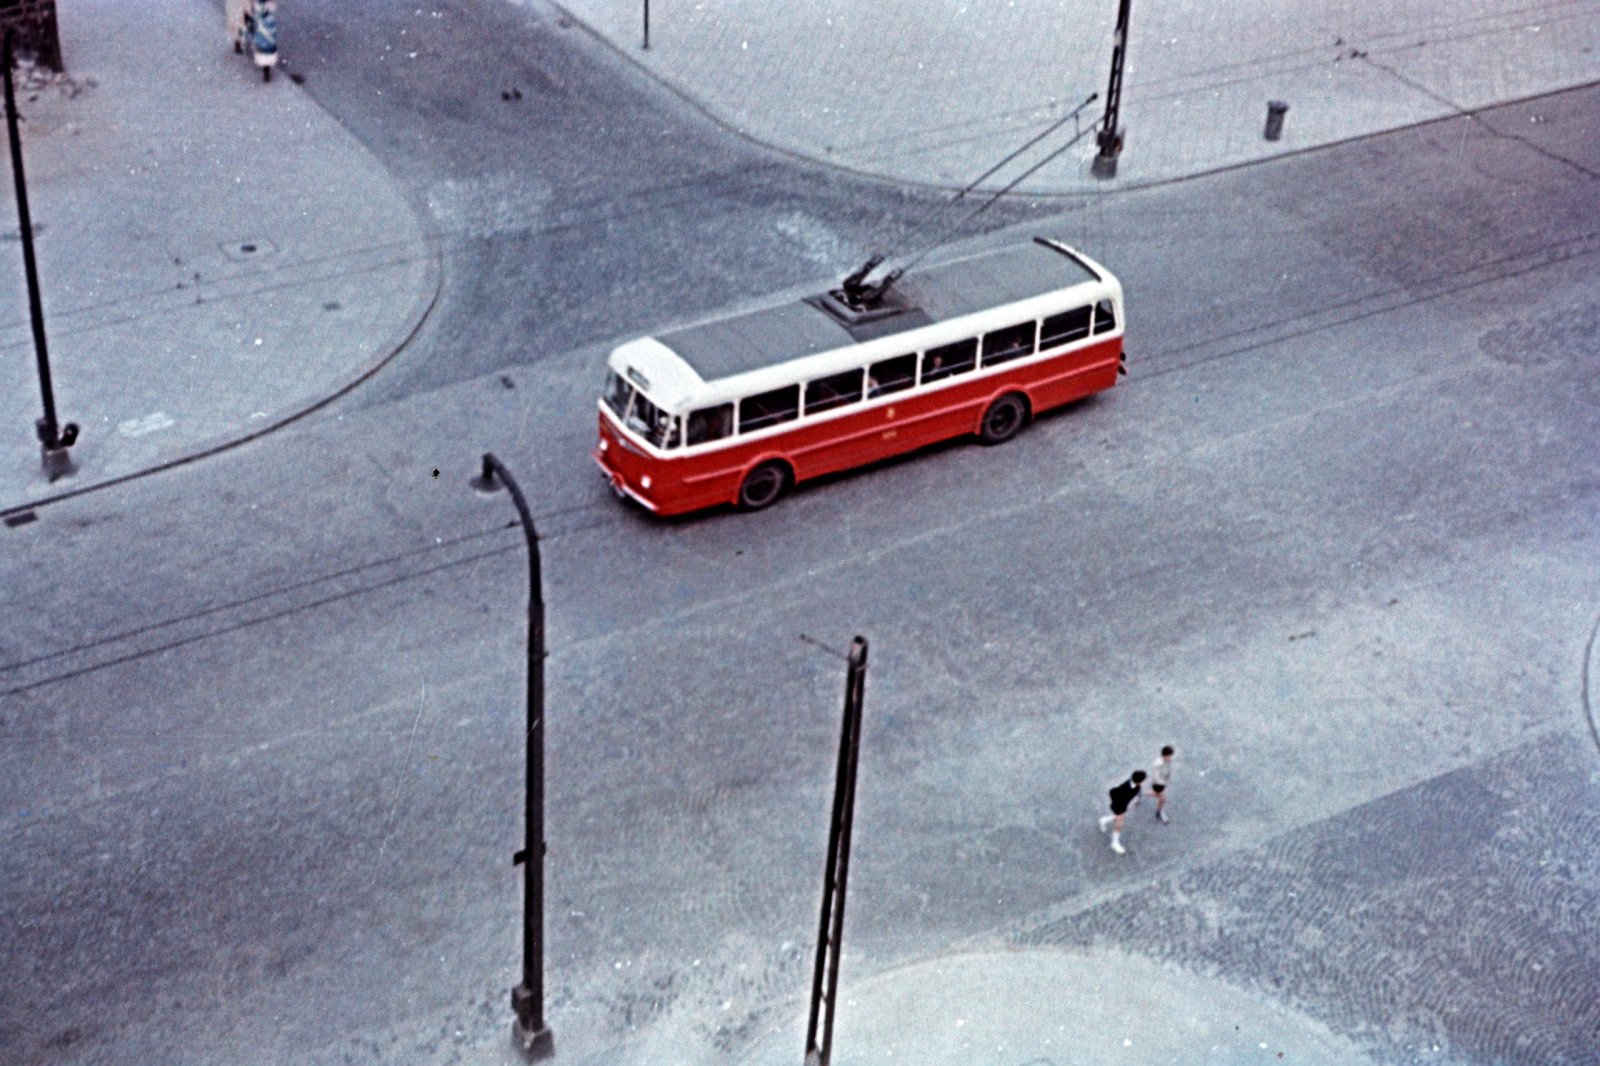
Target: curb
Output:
{"points": [[1111, 190], [416, 315]]}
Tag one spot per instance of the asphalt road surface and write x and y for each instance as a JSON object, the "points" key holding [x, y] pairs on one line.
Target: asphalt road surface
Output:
{"points": [[1334, 537]]}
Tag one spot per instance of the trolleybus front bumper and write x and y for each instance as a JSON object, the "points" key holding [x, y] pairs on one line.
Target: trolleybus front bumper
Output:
{"points": [[620, 485]]}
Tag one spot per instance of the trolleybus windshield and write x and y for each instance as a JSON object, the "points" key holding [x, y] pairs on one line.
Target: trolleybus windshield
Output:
{"points": [[639, 414]]}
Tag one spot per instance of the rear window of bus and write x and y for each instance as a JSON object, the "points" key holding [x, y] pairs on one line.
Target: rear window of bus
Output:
{"points": [[1105, 318]]}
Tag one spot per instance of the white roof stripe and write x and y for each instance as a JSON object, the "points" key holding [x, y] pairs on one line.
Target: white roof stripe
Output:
{"points": [[675, 386]]}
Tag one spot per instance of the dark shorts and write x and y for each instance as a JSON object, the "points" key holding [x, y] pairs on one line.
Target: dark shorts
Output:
{"points": [[1119, 805], [1158, 789]]}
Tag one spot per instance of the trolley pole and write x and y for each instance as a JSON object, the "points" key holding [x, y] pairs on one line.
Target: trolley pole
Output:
{"points": [[529, 1031], [830, 930], [54, 438], [1110, 136]]}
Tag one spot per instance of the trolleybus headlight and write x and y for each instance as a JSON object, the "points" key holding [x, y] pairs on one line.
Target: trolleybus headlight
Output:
{"points": [[604, 444], [644, 482]]}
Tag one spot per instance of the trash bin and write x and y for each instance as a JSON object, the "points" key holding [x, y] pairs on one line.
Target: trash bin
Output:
{"points": [[1275, 112]]}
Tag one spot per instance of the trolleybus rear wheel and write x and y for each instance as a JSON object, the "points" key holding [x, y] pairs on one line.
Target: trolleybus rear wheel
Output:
{"points": [[763, 485], [1003, 419]]}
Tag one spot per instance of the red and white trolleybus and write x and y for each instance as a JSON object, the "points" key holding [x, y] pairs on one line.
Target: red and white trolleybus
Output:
{"points": [[738, 409]]}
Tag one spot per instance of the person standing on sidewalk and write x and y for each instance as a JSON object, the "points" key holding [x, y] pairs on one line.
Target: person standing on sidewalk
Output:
{"points": [[1121, 796], [1160, 778]]}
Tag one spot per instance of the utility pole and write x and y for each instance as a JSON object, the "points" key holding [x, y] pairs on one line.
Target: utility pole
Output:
{"points": [[54, 439], [1110, 136], [529, 1031], [647, 25], [835, 877]]}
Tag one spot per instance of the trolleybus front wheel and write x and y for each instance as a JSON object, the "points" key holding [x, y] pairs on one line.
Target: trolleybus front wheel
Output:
{"points": [[1003, 419], [763, 485]]}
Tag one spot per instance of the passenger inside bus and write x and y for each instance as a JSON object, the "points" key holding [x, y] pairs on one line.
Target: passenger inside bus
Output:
{"points": [[949, 359]]}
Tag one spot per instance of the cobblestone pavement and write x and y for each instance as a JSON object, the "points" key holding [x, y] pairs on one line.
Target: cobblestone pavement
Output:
{"points": [[1455, 921]]}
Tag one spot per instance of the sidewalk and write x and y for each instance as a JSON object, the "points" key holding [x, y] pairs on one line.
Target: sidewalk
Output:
{"points": [[938, 91], [1002, 1006], [216, 255], [995, 1008]]}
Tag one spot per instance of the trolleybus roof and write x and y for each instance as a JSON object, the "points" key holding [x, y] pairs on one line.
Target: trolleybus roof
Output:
{"points": [[727, 346]]}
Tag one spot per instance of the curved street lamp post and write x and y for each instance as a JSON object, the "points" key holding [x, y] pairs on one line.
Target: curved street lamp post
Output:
{"points": [[529, 1031]]}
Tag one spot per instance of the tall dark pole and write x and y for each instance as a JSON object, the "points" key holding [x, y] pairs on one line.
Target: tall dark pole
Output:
{"points": [[54, 437], [647, 25], [1110, 136], [529, 1031], [836, 871]]}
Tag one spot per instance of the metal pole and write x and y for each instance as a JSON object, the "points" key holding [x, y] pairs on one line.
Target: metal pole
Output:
{"points": [[830, 931], [529, 1031], [1110, 136], [51, 434], [857, 684], [647, 25]]}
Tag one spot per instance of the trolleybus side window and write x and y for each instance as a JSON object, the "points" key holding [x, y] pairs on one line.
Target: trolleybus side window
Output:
{"points": [[652, 423], [948, 359], [710, 423], [1105, 318], [618, 393], [1013, 342], [835, 390], [769, 408], [1064, 328], [891, 375]]}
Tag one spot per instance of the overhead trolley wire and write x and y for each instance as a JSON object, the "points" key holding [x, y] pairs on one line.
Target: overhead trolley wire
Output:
{"points": [[987, 174], [995, 197], [854, 287]]}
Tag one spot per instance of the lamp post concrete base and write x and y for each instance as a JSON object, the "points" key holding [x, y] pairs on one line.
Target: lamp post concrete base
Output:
{"points": [[57, 463], [1105, 161], [535, 1045]]}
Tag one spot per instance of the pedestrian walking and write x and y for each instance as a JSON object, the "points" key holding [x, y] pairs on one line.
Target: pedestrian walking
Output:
{"points": [[1160, 779], [1121, 796]]}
